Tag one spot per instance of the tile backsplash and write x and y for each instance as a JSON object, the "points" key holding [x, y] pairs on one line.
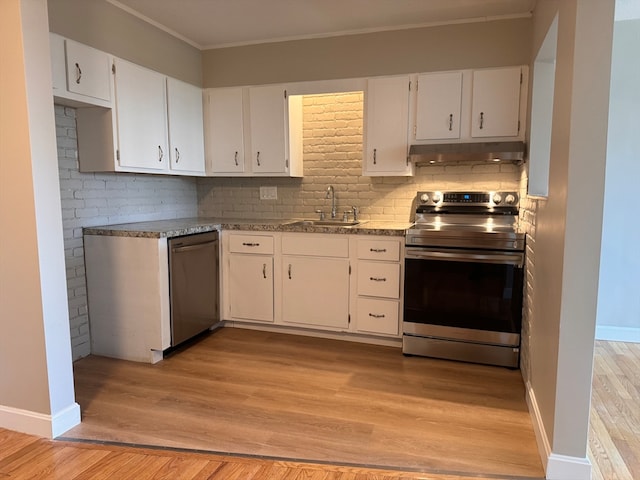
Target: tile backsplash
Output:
{"points": [[332, 155]]}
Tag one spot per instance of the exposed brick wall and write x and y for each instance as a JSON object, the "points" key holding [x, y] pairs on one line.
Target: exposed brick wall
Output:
{"points": [[332, 152], [104, 198], [528, 208]]}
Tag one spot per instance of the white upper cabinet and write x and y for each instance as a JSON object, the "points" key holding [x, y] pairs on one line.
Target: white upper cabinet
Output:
{"points": [[81, 74], [88, 71], [495, 110], [386, 125], [186, 134], [469, 106], [253, 131], [224, 139], [141, 117], [439, 105], [268, 121]]}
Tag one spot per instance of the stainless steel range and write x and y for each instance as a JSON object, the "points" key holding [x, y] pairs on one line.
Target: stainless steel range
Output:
{"points": [[464, 277]]}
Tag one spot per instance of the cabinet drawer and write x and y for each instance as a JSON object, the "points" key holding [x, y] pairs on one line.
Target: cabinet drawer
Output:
{"points": [[321, 246], [379, 250], [251, 244], [379, 279], [378, 316]]}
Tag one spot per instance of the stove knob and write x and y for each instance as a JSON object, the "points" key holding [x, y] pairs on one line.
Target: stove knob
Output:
{"points": [[497, 198], [436, 197], [424, 198], [510, 199]]}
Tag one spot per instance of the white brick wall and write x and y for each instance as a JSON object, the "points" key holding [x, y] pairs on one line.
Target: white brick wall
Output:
{"points": [[90, 199], [332, 151]]}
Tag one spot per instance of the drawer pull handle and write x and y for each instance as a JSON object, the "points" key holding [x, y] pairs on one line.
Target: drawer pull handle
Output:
{"points": [[78, 74], [377, 315], [378, 279], [378, 250], [264, 270], [289, 271], [248, 244]]}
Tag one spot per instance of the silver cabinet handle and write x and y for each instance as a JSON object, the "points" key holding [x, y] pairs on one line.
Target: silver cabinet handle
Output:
{"points": [[258, 158], [177, 155], [235, 158], [289, 271], [160, 153], [376, 315], [378, 250], [264, 270], [378, 279], [78, 73], [375, 155], [481, 120], [450, 121], [249, 244]]}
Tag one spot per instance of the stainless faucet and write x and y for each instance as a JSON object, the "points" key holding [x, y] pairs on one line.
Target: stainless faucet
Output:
{"points": [[331, 192]]}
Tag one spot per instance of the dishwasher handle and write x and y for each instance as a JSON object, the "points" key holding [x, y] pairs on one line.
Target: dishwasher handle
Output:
{"points": [[191, 248]]}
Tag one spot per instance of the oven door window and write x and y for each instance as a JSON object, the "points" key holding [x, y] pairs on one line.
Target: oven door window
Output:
{"points": [[481, 296]]}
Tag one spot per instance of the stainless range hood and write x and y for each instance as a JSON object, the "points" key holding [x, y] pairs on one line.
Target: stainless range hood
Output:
{"points": [[512, 152]]}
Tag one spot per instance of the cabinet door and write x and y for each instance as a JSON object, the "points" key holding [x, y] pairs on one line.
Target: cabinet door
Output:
{"points": [[439, 103], [88, 71], [495, 110], [268, 129], [315, 291], [224, 136], [387, 121], [186, 137], [251, 287], [142, 117]]}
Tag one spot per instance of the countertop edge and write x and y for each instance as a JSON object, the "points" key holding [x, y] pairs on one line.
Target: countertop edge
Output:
{"points": [[154, 229]]}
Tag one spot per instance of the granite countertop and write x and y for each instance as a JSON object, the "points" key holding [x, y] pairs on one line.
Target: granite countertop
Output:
{"points": [[188, 226]]}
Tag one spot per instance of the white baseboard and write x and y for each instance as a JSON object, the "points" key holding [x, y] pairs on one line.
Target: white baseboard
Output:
{"points": [[40, 424], [557, 467], [563, 467], [544, 447], [617, 334]]}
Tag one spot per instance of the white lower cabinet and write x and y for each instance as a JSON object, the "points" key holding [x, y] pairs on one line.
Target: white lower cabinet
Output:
{"points": [[248, 277], [315, 291], [315, 280], [377, 316], [251, 287], [379, 283], [342, 284]]}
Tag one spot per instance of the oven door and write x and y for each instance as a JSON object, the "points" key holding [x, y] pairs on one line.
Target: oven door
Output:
{"points": [[460, 294]]}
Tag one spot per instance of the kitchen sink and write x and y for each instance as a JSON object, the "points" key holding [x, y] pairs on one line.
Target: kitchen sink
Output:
{"points": [[324, 223]]}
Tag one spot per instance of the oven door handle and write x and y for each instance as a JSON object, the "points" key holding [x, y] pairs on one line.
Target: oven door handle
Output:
{"points": [[473, 256]]}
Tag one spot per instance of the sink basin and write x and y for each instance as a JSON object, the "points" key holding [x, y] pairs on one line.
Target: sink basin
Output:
{"points": [[324, 223]]}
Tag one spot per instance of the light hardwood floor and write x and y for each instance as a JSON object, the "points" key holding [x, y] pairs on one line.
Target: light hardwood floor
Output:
{"points": [[308, 399], [614, 434], [25, 457]]}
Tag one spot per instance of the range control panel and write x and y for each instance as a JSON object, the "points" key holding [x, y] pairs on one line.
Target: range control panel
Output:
{"points": [[477, 199]]}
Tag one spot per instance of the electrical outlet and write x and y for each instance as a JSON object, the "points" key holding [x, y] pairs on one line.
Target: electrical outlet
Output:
{"points": [[268, 193]]}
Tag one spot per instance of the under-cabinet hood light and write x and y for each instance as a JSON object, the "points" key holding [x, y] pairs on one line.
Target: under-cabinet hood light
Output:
{"points": [[468, 152]]}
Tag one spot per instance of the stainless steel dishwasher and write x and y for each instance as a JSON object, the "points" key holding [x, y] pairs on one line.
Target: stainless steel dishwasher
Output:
{"points": [[193, 285]]}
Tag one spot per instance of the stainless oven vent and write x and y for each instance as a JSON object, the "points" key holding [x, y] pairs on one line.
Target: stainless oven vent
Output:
{"points": [[433, 154]]}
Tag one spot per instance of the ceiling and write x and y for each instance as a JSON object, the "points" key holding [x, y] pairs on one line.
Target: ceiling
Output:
{"points": [[223, 23]]}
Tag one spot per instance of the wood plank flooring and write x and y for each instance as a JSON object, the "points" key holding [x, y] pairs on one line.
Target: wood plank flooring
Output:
{"points": [[291, 397], [27, 457], [614, 433]]}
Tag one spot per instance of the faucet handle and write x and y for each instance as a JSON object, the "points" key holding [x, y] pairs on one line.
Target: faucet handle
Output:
{"points": [[321, 213]]}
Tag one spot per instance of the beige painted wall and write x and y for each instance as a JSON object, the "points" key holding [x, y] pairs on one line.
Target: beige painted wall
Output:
{"points": [[36, 378], [108, 28], [470, 45], [568, 227]]}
